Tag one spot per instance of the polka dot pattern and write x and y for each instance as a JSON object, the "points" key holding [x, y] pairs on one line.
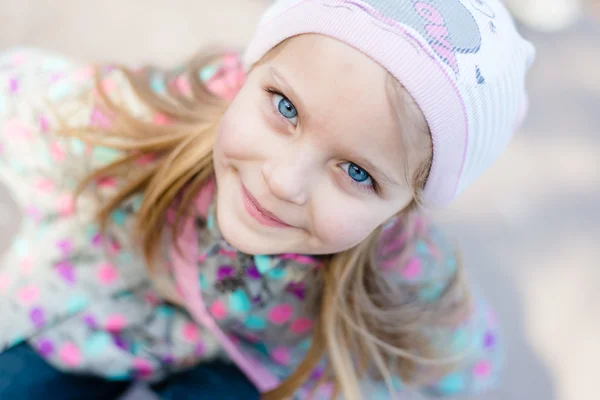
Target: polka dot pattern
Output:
{"points": [[239, 302], [281, 355], [97, 343], [301, 325], [115, 323], [70, 354], [107, 274], [281, 314], [218, 310], [255, 323], [190, 332]]}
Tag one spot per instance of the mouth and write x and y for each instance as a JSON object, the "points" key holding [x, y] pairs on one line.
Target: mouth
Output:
{"points": [[259, 213]]}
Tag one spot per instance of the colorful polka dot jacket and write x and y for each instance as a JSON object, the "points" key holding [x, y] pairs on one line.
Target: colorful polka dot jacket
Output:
{"points": [[85, 300]]}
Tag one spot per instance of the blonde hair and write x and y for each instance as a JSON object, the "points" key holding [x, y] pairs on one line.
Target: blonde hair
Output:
{"points": [[364, 327]]}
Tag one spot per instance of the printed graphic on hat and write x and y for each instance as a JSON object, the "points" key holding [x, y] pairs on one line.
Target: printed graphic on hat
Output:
{"points": [[447, 25], [484, 8]]}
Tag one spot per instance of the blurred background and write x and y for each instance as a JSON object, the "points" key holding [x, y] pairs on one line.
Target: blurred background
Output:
{"points": [[529, 229]]}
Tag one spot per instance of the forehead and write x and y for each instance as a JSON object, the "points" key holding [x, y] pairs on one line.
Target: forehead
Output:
{"points": [[342, 94]]}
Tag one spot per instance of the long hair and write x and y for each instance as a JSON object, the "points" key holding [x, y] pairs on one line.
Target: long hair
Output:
{"points": [[364, 326]]}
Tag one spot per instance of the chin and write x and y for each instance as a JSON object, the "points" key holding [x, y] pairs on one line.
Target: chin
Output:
{"points": [[242, 244], [238, 235]]}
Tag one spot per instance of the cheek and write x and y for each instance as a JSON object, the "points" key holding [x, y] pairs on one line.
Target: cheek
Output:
{"points": [[342, 227], [240, 131]]}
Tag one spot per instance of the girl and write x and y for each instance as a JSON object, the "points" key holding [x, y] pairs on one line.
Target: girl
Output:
{"points": [[265, 214]]}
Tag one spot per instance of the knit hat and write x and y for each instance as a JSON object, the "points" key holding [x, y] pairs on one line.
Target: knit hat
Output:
{"points": [[463, 62]]}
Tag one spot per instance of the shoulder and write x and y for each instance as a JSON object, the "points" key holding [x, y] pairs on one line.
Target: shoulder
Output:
{"points": [[415, 252], [224, 75], [29, 71], [30, 74], [30, 57], [220, 74]]}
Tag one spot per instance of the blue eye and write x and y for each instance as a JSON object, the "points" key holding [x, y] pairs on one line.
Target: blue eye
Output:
{"points": [[285, 108], [358, 174]]}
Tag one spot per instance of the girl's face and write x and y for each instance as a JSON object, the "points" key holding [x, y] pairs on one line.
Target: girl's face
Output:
{"points": [[309, 156]]}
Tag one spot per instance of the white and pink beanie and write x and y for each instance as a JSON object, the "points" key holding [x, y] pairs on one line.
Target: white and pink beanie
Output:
{"points": [[463, 62]]}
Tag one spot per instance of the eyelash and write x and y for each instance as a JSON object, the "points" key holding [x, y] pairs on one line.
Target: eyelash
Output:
{"points": [[373, 188], [272, 91]]}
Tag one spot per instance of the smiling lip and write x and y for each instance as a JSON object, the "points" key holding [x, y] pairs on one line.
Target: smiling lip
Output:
{"points": [[259, 213]]}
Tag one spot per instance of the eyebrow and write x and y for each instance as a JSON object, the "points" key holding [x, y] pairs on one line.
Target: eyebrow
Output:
{"points": [[378, 172], [278, 77]]}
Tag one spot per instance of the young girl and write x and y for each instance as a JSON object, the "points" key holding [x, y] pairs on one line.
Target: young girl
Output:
{"points": [[230, 228]]}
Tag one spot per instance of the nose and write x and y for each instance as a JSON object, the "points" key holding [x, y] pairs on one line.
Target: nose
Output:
{"points": [[287, 177]]}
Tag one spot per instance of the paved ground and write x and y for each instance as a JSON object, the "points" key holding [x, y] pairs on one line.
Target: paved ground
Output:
{"points": [[529, 229]]}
